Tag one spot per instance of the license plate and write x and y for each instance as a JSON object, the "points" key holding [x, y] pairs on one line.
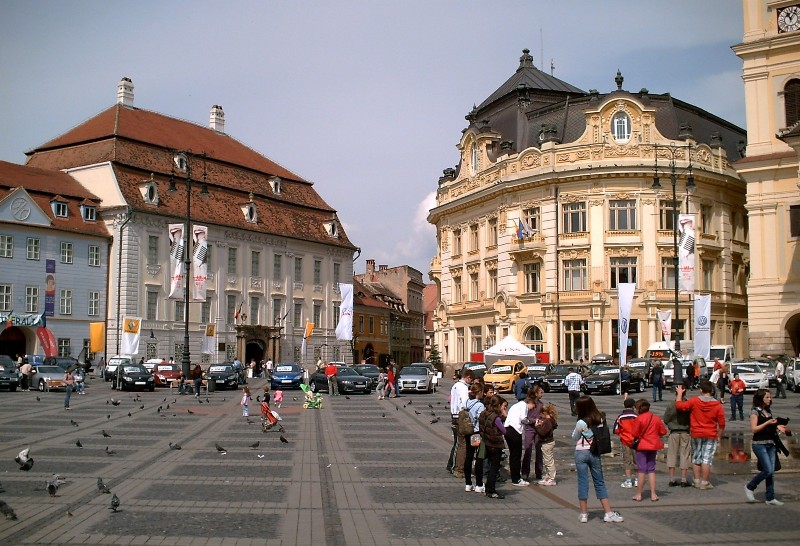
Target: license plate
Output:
{"points": [[286, 380], [220, 381], [140, 383]]}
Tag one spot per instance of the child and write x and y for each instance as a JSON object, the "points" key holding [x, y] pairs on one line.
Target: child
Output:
{"points": [[279, 397], [649, 428], [266, 393], [245, 401], [623, 427], [544, 425], [381, 386]]}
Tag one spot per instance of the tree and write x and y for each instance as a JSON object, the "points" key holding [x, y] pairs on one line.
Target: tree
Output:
{"points": [[435, 358]]}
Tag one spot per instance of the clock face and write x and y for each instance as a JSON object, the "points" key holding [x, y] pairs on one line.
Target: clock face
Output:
{"points": [[789, 19]]}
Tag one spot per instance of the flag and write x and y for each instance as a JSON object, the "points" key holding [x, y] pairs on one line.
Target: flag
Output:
{"points": [[176, 273], [665, 319], [238, 313], [520, 229], [208, 339], [8, 322], [131, 330], [686, 267], [97, 333], [307, 334], [344, 330], [200, 262], [625, 292], [702, 325]]}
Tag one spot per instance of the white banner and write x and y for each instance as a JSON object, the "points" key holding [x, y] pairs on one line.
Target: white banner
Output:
{"points": [[686, 269], [176, 249], [200, 262], [665, 320], [209, 340], [702, 325], [625, 292], [131, 330], [344, 330]]}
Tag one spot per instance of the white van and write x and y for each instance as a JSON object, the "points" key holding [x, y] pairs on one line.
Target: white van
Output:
{"points": [[113, 363], [725, 353]]}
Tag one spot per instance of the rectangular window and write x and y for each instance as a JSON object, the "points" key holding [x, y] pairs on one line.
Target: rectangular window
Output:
{"points": [[633, 337], [277, 314], [623, 270], [460, 348], [230, 309], [668, 273], [360, 324], [622, 214], [337, 271], [736, 269], [666, 214], [317, 315], [574, 217], [531, 218], [205, 311], [457, 291], [794, 221], [317, 271], [64, 347], [34, 247], [473, 238], [85, 349], [255, 264], [298, 314], [707, 218], [576, 339], [708, 275], [65, 302], [6, 246], [531, 272], [473, 286], [60, 209], [5, 297], [66, 252], [456, 242], [276, 267], [298, 269], [491, 283], [232, 265], [336, 310], [89, 214], [94, 303], [254, 305], [491, 232], [31, 299], [94, 256], [180, 308], [152, 305], [371, 325], [575, 274], [152, 250], [475, 339]]}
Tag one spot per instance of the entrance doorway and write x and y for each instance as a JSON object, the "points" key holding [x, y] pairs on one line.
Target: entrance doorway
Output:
{"points": [[12, 342], [254, 350]]}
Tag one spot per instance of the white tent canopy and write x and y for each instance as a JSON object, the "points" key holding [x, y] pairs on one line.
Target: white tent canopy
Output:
{"points": [[509, 347]]}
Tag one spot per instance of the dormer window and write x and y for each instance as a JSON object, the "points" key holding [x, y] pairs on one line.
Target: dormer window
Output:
{"points": [[60, 209], [621, 127], [332, 228], [474, 158], [149, 190], [89, 213], [275, 184], [249, 210]]}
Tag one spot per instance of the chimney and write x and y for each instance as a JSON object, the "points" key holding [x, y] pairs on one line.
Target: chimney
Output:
{"points": [[370, 266], [217, 119], [382, 267], [125, 92]]}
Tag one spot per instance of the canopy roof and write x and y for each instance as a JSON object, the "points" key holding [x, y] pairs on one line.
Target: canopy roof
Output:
{"points": [[509, 347]]}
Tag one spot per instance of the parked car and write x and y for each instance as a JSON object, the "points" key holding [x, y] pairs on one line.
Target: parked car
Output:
{"points": [[48, 378], [643, 366], [503, 374], [751, 373], [537, 373], [286, 375], [223, 375], [605, 378], [793, 374], [370, 371], [63, 362], [131, 377], [349, 380], [164, 374], [151, 363], [415, 378], [478, 369], [669, 371], [9, 375], [770, 365], [558, 372], [113, 363]]}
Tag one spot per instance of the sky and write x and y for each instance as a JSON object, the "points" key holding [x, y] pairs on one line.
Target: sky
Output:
{"points": [[364, 98]]}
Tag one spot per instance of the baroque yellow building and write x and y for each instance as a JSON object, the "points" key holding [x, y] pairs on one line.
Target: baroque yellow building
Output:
{"points": [[551, 205], [770, 53]]}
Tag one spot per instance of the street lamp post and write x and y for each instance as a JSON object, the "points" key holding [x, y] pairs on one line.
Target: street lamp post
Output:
{"points": [[673, 152]]}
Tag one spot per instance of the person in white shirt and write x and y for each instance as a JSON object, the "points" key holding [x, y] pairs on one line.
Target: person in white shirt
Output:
{"points": [[780, 377], [573, 382], [514, 423], [459, 395]]}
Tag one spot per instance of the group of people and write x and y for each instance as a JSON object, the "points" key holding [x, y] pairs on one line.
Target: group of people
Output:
{"points": [[387, 382]]}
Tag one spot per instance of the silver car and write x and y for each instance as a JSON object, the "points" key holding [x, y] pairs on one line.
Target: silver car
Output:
{"points": [[48, 378], [415, 379]]}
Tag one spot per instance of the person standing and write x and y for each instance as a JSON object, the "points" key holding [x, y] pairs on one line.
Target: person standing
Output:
{"points": [[679, 448], [197, 377], [649, 428], [69, 383], [514, 431], [80, 386], [381, 384], [532, 446], [545, 425], [722, 383], [333, 385], [706, 425], [390, 385], [765, 429], [690, 377], [269, 367], [623, 427], [521, 386], [475, 407], [657, 380], [490, 423], [677, 372], [625, 381], [573, 382], [737, 387], [245, 403], [780, 377], [587, 462], [25, 375], [459, 394]]}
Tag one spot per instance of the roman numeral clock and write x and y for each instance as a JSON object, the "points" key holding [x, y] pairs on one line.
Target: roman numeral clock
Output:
{"points": [[789, 18]]}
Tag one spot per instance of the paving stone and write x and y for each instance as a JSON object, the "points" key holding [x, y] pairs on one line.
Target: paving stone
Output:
{"points": [[228, 471], [423, 526], [402, 456], [187, 523]]}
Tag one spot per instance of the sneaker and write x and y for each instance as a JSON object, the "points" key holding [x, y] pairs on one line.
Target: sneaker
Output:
{"points": [[627, 484], [495, 495], [636, 482], [749, 495], [705, 486], [521, 483], [583, 518], [547, 482], [469, 488], [774, 502], [613, 517], [684, 483], [674, 483], [480, 489]]}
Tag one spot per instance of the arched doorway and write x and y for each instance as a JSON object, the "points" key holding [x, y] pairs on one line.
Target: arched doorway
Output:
{"points": [[369, 354], [254, 350], [793, 333], [12, 342], [534, 339]]}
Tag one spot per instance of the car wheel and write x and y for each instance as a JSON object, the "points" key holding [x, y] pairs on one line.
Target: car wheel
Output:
{"points": [[618, 389], [12, 388], [313, 386], [41, 385]]}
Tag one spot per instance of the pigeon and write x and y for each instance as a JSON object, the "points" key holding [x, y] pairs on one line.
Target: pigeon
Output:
{"points": [[165, 399], [110, 451], [103, 488], [190, 412], [129, 414], [280, 428], [69, 514], [346, 397], [73, 423], [208, 401], [249, 421], [260, 456], [433, 414], [294, 398], [284, 440], [383, 415], [158, 410], [7, 511], [105, 434], [175, 446], [220, 449], [396, 408], [108, 416], [199, 401], [255, 445], [38, 399], [79, 444], [174, 400], [23, 459], [114, 503], [115, 402], [223, 399], [430, 406], [434, 420], [141, 407], [52, 484], [167, 406], [409, 402], [417, 412]]}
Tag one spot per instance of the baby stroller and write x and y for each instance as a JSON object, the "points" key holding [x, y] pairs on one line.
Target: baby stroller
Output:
{"points": [[313, 400], [268, 418]]}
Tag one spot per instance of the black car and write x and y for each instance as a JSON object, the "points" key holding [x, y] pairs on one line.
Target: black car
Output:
{"points": [[557, 372], [643, 366], [537, 373], [223, 375], [478, 369], [349, 381], [131, 377], [9, 375], [369, 370], [605, 378]]}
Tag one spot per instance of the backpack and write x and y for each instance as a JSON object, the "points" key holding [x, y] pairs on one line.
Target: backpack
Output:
{"points": [[464, 423], [601, 439]]}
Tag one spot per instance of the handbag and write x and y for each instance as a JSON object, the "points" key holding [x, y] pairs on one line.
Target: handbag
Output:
{"points": [[475, 440], [482, 451]]}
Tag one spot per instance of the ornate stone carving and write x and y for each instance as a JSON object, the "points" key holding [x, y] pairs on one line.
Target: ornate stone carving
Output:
{"points": [[473, 268], [597, 202], [256, 283], [232, 280], [530, 160], [491, 265], [153, 269]]}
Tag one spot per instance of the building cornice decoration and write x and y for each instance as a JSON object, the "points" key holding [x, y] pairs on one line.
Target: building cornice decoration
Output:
{"points": [[648, 201], [153, 269], [575, 254], [250, 237], [623, 251], [527, 255], [597, 202], [530, 160], [624, 196], [491, 265], [473, 268], [666, 251], [455, 270], [531, 204]]}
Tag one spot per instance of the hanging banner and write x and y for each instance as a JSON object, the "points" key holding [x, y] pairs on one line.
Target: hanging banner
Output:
{"points": [[344, 330], [50, 288], [665, 320], [97, 334], [686, 267], [625, 292], [176, 249], [200, 262], [46, 338], [131, 329], [702, 325], [307, 334], [208, 339]]}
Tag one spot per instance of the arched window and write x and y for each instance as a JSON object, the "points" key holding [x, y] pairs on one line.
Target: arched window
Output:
{"points": [[474, 158], [791, 100], [534, 339], [621, 127]]}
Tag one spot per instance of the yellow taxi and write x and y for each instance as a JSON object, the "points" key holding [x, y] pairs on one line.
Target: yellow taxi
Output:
{"points": [[503, 374]]}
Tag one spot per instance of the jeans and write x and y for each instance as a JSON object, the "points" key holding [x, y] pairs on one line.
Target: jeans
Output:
{"points": [[780, 391], [585, 462], [67, 397], [493, 456], [766, 457], [80, 387], [531, 449], [470, 455], [197, 382], [514, 441], [658, 388], [451, 461], [737, 401]]}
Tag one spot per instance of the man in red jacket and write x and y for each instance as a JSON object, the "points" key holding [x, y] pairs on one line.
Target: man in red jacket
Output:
{"points": [[706, 424]]}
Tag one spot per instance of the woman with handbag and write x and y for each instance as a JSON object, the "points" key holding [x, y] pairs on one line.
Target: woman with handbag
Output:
{"points": [[473, 441], [647, 432], [765, 430]]}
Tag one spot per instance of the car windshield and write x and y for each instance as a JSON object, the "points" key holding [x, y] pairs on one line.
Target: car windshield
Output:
{"points": [[605, 370], [134, 369], [414, 370], [220, 369], [501, 369], [639, 364], [745, 368], [118, 361], [287, 368], [474, 367], [559, 369], [167, 368], [367, 368], [717, 353], [346, 371], [49, 369]]}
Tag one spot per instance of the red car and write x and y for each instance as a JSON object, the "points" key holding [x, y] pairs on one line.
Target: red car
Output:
{"points": [[166, 373]]}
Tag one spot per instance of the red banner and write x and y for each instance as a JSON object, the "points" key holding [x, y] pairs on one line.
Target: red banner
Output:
{"points": [[47, 340]]}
